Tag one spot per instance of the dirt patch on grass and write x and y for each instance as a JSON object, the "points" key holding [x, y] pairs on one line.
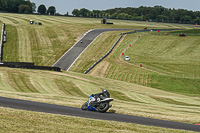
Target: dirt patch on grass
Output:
{"points": [[100, 70]]}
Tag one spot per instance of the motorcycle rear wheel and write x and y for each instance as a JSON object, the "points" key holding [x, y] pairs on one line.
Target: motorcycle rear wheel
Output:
{"points": [[103, 107]]}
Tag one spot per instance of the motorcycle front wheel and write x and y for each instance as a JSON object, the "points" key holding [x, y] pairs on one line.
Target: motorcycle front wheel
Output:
{"points": [[84, 106], [103, 107]]}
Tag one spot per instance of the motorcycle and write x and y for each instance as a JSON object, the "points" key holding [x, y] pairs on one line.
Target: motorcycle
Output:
{"points": [[100, 104]]}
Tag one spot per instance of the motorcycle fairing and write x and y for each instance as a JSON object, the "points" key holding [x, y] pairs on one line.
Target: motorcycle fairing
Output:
{"points": [[91, 98], [91, 108]]}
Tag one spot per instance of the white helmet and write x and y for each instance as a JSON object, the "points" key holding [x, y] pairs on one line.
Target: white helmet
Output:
{"points": [[105, 90]]}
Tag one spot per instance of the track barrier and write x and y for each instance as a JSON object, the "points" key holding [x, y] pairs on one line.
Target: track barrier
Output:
{"points": [[27, 65], [104, 55]]}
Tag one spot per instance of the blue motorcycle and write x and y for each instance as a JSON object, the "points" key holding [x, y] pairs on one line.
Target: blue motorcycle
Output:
{"points": [[100, 104]]}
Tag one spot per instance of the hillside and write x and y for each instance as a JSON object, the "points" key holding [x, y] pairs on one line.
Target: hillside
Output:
{"points": [[169, 62], [150, 91], [26, 121], [45, 44], [72, 89]]}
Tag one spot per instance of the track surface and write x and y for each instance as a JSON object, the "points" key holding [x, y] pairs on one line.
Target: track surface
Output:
{"points": [[67, 60], [72, 111]]}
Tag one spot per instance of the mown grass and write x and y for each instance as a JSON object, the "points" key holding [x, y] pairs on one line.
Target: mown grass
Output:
{"points": [[169, 62], [73, 89], [13, 42], [185, 86], [27, 121], [169, 54], [45, 44]]}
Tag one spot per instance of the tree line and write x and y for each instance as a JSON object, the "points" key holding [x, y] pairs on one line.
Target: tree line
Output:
{"points": [[24, 6], [43, 10], [17, 6], [156, 13]]}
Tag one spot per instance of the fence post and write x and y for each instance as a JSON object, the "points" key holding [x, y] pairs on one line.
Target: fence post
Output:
{"points": [[2, 42]]}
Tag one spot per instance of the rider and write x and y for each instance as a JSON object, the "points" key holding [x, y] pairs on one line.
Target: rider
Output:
{"points": [[93, 104], [104, 94]]}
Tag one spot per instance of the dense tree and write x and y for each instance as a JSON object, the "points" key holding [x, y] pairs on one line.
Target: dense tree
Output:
{"points": [[24, 9], [76, 12], [3, 5], [42, 9], [96, 13], [14, 5], [33, 7], [161, 18], [84, 12], [51, 10], [114, 15], [156, 13], [122, 16], [186, 18], [197, 20]]}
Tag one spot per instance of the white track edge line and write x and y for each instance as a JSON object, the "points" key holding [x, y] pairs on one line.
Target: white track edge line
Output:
{"points": [[83, 51], [69, 49]]}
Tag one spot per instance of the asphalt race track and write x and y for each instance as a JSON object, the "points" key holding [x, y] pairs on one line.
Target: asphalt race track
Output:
{"points": [[72, 111], [67, 60]]}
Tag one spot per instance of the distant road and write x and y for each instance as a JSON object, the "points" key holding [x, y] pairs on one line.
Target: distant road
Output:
{"points": [[72, 111], [67, 60]]}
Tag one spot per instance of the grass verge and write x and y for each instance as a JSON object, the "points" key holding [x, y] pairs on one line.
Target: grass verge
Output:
{"points": [[26, 121], [73, 89]]}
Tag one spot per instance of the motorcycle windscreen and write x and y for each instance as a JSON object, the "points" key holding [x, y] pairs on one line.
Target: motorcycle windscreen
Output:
{"points": [[91, 99], [90, 107]]}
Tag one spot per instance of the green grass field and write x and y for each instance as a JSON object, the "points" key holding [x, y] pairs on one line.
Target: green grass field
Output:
{"points": [[45, 44], [169, 62], [164, 88], [26, 121], [168, 54], [73, 89]]}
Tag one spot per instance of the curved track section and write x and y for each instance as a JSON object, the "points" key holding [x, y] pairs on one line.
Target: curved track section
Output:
{"points": [[72, 111], [67, 60]]}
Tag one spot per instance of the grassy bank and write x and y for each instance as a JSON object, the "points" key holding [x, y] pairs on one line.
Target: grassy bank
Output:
{"points": [[73, 89], [175, 98], [169, 62], [167, 54], [27, 121], [45, 44]]}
